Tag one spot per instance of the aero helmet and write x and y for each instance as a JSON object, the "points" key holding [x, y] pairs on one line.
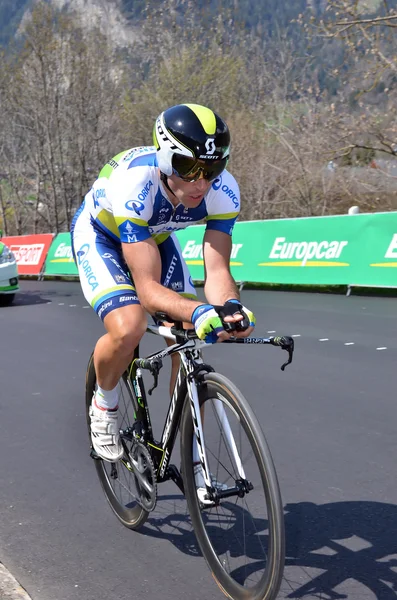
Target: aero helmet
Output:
{"points": [[191, 141]]}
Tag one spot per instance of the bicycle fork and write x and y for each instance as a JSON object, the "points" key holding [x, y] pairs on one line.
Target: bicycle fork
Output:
{"points": [[242, 486]]}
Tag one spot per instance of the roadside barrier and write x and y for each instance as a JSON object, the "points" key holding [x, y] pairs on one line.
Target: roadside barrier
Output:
{"points": [[30, 251], [59, 260], [339, 250]]}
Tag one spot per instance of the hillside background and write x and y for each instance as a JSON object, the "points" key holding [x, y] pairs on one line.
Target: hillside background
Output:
{"points": [[308, 88]]}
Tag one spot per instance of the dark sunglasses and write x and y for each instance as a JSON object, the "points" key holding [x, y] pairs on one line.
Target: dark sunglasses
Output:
{"points": [[192, 169]]}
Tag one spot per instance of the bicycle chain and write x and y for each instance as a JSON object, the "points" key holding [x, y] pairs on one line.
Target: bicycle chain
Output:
{"points": [[145, 475]]}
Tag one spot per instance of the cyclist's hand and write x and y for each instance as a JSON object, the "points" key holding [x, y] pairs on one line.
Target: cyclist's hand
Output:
{"points": [[207, 323], [238, 320], [218, 323]]}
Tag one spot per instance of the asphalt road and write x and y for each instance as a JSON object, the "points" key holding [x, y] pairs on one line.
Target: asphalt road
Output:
{"points": [[330, 421]]}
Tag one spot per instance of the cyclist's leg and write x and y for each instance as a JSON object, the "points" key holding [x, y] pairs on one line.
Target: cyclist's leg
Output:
{"points": [[107, 286], [175, 275]]}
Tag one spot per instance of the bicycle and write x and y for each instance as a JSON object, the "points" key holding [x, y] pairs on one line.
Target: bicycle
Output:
{"points": [[220, 524]]}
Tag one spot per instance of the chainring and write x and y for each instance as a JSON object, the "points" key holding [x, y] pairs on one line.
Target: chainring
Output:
{"points": [[145, 475]]}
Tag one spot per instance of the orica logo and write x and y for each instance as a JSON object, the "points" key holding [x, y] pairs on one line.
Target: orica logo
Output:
{"points": [[229, 192], [97, 195], [86, 267], [145, 191], [217, 183], [135, 205], [82, 253]]}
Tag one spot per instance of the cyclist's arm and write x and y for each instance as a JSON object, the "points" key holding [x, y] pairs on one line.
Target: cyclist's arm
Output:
{"points": [[219, 284], [144, 261]]}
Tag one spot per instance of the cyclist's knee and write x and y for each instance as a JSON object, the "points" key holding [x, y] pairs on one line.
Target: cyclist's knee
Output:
{"points": [[126, 329]]}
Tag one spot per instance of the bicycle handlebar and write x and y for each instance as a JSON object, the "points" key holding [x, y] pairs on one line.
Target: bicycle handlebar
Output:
{"points": [[285, 342], [182, 335]]}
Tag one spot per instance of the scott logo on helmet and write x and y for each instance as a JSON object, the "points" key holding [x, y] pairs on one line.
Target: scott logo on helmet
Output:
{"points": [[210, 146], [164, 136]]}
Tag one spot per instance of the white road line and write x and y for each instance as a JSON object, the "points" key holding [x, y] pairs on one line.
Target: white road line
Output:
{"points": [[382, 348], [72, 304], [272, 331], [61, 304], [349, 343], [296, 335], [87, 306], [323, 340]]}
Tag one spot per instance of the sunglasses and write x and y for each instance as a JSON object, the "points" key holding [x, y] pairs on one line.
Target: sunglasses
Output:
{"points": [[192, 169]]}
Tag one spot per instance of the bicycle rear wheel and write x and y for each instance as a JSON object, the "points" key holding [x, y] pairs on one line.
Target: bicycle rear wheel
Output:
{"points": [[241, 538], [118, 481]]}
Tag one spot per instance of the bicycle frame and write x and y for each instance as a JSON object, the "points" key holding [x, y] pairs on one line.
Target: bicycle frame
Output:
{"points": [[190, 373], [185, 384]]}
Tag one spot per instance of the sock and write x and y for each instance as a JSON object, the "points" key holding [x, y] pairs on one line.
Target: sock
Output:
{"points": [[106, 399]]}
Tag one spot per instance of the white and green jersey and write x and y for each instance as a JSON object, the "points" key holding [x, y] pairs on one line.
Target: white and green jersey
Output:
{"points": [[128, 202]]}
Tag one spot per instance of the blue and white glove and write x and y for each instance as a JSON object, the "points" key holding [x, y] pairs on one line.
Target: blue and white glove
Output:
{"points": [[233, 306], [207, 323]]}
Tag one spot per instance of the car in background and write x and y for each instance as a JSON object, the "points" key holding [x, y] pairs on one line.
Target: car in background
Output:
{"points": [[9, 281]]}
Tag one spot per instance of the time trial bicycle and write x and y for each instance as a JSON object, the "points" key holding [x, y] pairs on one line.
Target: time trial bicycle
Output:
{"points": [[227, 473]]}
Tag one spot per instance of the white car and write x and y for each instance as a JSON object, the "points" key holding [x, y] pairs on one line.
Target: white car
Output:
{"points": [[9, 282]]}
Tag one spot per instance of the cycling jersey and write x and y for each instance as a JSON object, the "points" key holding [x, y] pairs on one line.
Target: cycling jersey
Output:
{"points": [[128, 203]]}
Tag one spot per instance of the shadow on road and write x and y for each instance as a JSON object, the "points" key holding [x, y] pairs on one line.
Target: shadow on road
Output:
{"points": [[345, 540], [31, 297], [28, 299]]}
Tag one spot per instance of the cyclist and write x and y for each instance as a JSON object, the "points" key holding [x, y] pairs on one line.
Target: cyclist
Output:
{"points": [[126, 225]]}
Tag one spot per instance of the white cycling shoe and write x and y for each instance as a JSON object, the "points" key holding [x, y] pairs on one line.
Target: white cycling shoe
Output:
{"points": [[200, 485], [105, 434]]}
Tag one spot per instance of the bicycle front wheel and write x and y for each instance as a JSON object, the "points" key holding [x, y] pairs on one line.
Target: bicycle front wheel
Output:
{"points": [[118, 481], [241, 536]]}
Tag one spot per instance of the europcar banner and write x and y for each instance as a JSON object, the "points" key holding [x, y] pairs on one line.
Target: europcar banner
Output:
{"points": [[30, 251], [343, 249], [60, 259]]}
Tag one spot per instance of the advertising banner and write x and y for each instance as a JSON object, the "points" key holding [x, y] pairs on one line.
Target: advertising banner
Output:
{"points": [[60, 259], [345, 249], [339, 250], [30, 251]]}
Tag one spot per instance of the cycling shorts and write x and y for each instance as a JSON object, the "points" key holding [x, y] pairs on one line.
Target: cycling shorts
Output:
{"points": [[104, 275]]}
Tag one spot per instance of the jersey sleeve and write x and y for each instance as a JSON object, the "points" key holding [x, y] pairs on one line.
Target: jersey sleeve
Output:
{"points": [[133, 204], [223, 204]]}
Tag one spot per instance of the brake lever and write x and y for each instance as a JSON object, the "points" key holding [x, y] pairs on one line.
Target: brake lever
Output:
{"points": [[285, 342], [154, 368]]}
